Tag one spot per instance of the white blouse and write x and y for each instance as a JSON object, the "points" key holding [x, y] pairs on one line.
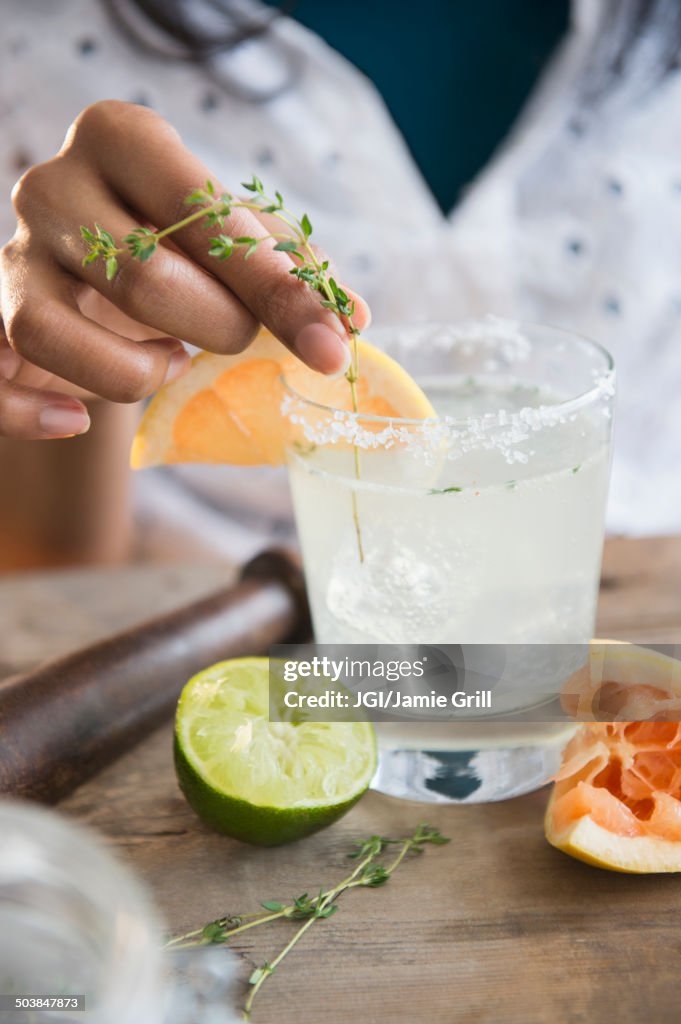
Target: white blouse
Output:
{"points": [[575, 222]]}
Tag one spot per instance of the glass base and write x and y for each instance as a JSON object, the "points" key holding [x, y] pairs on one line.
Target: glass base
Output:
{"points": [[465, 776]]}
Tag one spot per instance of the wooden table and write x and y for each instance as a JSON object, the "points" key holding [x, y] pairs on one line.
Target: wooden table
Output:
{"points": [[496, 928]]}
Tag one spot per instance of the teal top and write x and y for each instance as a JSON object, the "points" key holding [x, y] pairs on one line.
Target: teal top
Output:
{"points": [[453, 73]]}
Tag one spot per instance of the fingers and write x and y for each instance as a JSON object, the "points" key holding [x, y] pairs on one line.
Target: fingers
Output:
{"points": [[27, 414], [169, 293], [45, 327], [9, 361], [144, 162], [124, 158]]}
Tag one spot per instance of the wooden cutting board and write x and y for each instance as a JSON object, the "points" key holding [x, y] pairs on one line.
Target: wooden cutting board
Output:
{"points": [[496, 928]]}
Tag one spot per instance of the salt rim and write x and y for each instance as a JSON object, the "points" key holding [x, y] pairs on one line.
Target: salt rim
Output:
{"points": [[447, 436]]}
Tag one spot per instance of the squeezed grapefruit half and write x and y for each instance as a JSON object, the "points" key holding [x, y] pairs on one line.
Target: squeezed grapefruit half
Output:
{"points": [[616, 802]]}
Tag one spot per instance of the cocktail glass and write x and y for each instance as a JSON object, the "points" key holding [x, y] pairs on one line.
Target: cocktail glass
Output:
{"points": [[481, 526]]}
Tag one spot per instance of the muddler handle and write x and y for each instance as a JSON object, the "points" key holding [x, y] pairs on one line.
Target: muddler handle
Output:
{"points": [[70, 717]]}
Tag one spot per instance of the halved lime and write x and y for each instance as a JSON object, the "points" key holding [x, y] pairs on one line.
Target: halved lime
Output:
{"points": [[259, 781]]}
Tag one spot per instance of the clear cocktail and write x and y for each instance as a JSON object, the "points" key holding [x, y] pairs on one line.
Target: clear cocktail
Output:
{"points": [[482, 526]]}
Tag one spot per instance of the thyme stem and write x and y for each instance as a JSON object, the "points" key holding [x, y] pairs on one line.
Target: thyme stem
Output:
{"points": [[197, 215], [369, 872]]}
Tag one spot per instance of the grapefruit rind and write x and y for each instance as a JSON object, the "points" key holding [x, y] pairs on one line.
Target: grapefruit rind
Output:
{"points": [[595, 845], [616, 802]]}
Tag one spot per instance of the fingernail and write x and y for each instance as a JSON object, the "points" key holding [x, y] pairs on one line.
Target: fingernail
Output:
{"points": [[345, 365], [322, 349], [63, 420], [177, 365], [338, 328], [9, 363], [362, 314]]}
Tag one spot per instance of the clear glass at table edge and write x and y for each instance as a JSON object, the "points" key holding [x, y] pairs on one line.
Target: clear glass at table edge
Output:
{"points": [[481, 526], [80, 938]]}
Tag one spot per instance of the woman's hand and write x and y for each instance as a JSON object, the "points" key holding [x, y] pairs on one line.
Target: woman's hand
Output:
{"points": [[122, 165]]}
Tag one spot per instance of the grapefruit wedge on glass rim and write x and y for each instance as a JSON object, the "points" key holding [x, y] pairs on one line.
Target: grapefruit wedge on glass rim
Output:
{"points": [[227, 408], [616, 802]]}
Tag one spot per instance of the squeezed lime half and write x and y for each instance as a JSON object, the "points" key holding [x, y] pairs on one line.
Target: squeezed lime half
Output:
{"points": [[259, 781]]}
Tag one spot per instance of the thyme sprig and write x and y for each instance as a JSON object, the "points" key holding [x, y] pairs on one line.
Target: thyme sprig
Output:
{"points": [[369, 872], [214, 208]]}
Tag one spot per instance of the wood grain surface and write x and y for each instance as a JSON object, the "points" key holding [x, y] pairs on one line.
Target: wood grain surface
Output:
{"points": [[496, 928]]}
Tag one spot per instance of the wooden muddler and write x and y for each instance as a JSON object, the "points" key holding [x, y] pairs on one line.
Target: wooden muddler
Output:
{"points": [[67, 719]]}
